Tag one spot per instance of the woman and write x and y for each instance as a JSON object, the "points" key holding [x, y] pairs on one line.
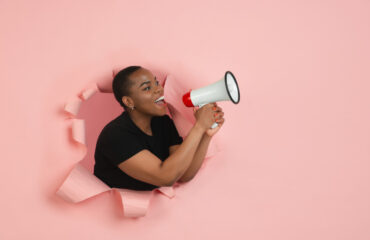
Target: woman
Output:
{"points": [[141, 148]]}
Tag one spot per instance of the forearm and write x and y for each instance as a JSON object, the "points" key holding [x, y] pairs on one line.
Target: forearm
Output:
{"points": [[178, 162], [198, 159]]}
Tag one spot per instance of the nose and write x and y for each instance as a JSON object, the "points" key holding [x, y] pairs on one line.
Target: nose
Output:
{"points": [[159, 88]]}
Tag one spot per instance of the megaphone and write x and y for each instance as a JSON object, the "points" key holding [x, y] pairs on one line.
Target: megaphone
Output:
{"points": [[225, 89]]}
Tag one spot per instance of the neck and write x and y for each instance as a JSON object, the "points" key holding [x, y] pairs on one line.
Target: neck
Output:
{"points": [[141, 120]]}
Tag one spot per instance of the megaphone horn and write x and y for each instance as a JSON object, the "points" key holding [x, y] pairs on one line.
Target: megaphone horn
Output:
{"points": [[226, 89]]}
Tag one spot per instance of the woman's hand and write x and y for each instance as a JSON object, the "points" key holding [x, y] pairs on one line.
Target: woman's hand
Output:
{"points": [[216, 116]]}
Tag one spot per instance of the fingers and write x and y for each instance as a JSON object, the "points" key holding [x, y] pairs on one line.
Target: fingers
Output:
{"points": [[218, 117], [220, 121], [219, 114], [217, 109]]}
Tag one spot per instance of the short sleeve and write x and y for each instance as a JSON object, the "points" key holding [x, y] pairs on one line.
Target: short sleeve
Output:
{"points": [[175, 138], [121, 146]]}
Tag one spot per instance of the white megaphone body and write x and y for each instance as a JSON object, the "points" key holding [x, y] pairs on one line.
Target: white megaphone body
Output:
{"points": [[225, 89]]}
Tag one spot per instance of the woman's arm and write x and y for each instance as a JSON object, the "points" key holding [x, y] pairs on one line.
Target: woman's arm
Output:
{"points": [[178, 162], [197, 160], [203, 147]]}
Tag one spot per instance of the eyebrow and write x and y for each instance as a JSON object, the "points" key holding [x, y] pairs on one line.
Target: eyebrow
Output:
{"points": [[147, 82]]}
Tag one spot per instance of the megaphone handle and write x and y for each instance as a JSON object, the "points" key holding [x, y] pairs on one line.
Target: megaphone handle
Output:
{"points": [[215, 124]]}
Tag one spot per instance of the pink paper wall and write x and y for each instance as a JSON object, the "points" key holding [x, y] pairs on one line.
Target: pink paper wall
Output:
{"points": [[296, 153]]}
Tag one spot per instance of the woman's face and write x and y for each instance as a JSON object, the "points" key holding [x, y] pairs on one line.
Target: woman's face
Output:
{"points": [[144, 91]]}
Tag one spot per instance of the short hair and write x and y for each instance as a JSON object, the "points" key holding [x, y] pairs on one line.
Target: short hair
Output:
{"points": [[121, 84]]}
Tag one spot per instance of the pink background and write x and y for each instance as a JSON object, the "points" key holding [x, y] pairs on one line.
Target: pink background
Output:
{"points": [[296, 153]]}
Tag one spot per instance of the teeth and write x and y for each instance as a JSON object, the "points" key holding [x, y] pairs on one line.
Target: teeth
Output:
{"points": [[159, 99]]}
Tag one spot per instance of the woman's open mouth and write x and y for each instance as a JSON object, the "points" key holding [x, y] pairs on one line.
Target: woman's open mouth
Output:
{"points": [[160, 102]]}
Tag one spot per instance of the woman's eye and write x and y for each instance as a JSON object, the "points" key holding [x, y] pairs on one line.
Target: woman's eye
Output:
{"points": [[149, 87]]}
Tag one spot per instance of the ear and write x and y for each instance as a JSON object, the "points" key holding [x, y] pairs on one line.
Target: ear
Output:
{"points": [[127, 101]]}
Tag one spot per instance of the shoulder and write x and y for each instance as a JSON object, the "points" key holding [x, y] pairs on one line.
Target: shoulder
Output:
{"points": [[114, 131]]}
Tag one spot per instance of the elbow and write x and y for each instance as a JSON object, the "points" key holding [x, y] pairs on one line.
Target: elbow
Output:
{"points": [[169, 176], [168, 180], [185, 179], [168, 183], [173, 180]]}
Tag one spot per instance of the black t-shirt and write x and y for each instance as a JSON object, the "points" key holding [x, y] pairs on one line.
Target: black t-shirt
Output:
{"points": [[120, 139]]}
